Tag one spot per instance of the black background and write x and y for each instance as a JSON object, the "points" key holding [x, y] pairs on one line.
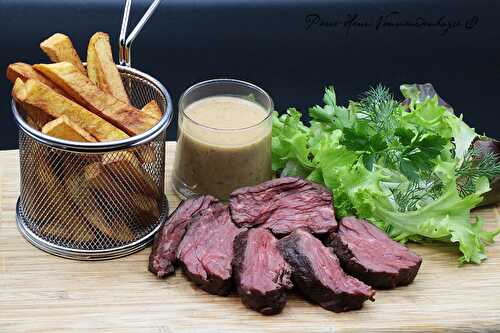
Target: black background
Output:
{"points": [[267, 43]]}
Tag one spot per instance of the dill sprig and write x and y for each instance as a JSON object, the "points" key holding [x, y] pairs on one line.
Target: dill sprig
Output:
{"points": [[474, 166], [408, 200], [414, 196], [380, 108]]}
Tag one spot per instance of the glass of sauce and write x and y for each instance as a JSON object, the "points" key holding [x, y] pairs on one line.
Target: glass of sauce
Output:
{"points": [[224, 138]]}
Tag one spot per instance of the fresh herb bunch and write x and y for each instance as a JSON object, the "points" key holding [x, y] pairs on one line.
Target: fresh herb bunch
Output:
{"points": [[475, 166], [380, 108], [412, 151], [417, 192], [407, 167]]}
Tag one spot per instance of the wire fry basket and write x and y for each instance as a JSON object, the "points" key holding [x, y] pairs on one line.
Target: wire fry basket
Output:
{"points": [[95, 200], [102, 200]]}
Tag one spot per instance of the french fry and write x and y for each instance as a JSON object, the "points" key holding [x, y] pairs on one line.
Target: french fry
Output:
{"points": [[124, 168], [146, 152], [120, 175], [146, 207], [31, 122], [64, 128], [153, 109], [24, 72], [81, 89], [102, 69], [35, 94], [92, 70], [126, 162], [42, 105], [35, 115], [59, 47], [93, 209], [65, 220], [142, 208], [82, 232]]}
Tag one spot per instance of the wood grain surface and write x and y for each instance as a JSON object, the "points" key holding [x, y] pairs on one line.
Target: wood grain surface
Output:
{"points": [[43, 293]]}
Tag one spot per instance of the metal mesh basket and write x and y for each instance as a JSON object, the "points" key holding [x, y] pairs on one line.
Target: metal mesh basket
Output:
{"points": [[95, 200]]}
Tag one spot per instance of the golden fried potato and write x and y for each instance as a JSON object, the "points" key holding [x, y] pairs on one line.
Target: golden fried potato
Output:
{"points": [[153, 109], [121, 167], [64, 128], [25, 71], [66, 221], [102, 69], [32, 93], [31, 122], [34, 116], [120, 175], [93, 209], [146, 153], [146, 208], [77, 231], [81, 89], [59, 47]]}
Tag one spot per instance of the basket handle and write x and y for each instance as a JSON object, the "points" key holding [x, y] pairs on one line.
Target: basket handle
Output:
{"points": [[125, 43]]}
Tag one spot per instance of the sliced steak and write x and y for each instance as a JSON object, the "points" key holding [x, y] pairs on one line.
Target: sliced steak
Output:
{"points": [[283, 205], [367, 253], [318, 275], [206, 251], [167, 239], [261, 274]]}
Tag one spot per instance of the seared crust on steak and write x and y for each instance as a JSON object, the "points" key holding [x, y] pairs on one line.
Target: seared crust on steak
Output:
{"points": [[318, 275], [168, 238], [206, 251], [283, 205], [261, 274], [367, 253]]}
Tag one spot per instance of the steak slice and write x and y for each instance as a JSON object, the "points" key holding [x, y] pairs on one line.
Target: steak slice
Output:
{"points": [[206, 251], [318, 275], [283, 205], [367, 253], [167, 239], [261, 274]]}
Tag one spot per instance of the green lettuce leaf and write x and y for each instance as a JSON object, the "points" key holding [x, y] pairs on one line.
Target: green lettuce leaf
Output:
{"points": [[463, 135], [401, 176], [335, 161], [445, 219], [289, 141], [430, 116]]}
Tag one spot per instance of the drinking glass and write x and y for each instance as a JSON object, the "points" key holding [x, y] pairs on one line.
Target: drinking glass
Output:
{"points": [[215, 160]]}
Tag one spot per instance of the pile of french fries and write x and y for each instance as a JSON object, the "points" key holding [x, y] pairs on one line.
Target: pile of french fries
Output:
{"points": [[67, 100], [93, 99]]}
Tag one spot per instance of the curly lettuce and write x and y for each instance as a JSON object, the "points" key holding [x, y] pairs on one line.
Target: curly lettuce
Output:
{"points": [[394, 164]]}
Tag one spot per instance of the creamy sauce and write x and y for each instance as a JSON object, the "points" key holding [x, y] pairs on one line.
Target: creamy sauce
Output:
{"points": [[226, 112], [223, 145]]}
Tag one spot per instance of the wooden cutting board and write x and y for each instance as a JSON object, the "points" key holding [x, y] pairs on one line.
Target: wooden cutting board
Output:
{"points": [[43, 293]]}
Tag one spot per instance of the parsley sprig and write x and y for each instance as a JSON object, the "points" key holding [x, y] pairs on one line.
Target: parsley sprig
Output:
{"points": [[382, 138]]}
